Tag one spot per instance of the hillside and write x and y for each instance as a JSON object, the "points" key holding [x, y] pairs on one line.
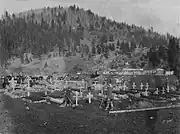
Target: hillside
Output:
{"points": [[94, 40]]}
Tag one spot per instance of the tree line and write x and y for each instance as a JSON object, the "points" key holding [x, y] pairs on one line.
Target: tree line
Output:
{"points": [[40, 32]]}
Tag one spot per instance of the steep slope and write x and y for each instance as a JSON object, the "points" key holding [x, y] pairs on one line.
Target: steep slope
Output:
{"points": [[73, 31]]}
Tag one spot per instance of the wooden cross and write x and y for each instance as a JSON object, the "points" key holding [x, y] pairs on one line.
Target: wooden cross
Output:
{"points": [[168, 88], [102, 91], [83, 83], [157, 91], [141, 86], [80, 91], [77, 95], [124, 86], [50, 80], [146, 91], [90, 96], [147, 86], [134, 85], [28, 85], [65, 84], [28, 94], [21, 80], [13, 83], [163, 91], [45, 93]]}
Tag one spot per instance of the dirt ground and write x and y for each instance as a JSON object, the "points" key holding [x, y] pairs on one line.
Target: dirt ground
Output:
{"points": [[51, 119]]}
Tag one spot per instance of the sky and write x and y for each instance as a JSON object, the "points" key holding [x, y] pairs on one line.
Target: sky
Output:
{"points": [[162, 15]]}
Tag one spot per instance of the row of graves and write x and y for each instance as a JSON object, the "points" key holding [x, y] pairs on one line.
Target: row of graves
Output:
{"points": [[28, 86], [20, 85], [124, 92], [158, 88]]}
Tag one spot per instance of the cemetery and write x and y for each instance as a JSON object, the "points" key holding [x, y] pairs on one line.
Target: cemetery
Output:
{"points": [[130, 90]]}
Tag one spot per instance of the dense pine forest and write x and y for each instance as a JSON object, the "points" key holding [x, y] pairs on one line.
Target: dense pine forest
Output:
{"points": [[73, 31]]}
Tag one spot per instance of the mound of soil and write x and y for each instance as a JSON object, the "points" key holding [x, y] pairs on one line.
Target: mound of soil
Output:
{"points": [[35, 96]]}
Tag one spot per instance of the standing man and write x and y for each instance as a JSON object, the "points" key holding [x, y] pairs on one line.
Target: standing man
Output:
{"points": [[103, 96], [19, 81], [89, 88], [4, 81], [109, 98], [68, 97], [21, 77]]}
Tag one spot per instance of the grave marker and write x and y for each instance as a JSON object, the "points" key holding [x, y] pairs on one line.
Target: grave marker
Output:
{"points": [[124, 86], [80, 91], [102, 91], [28, 85], [168, 88], [146, 91], [134, 85], [157, 91], [147, 85], [163, 91], [28, 94], [65, 84], [83, 83], [77, 98], [45, 93], [13, 85], [50, 80], [141, 86], [90, 96]]}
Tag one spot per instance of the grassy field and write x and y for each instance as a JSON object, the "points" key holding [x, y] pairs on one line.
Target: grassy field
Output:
{"points": [[89, 119]]}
